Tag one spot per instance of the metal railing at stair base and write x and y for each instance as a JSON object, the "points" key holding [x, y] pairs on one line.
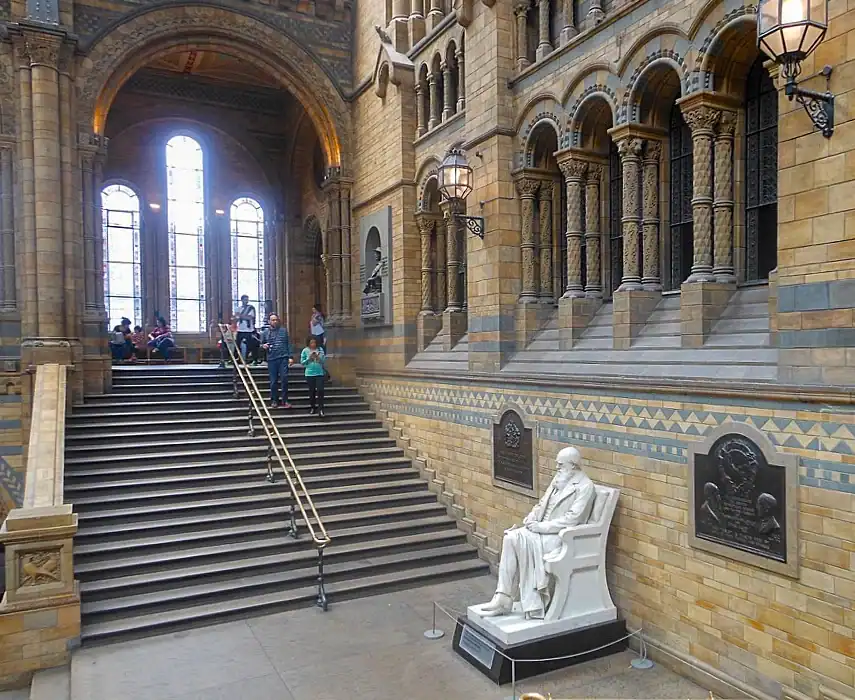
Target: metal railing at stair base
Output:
{"points": [[276, 448]]}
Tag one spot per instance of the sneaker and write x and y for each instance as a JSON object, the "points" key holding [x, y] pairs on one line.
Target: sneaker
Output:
{"points": [[273, 404], [312, 412], [321, 414], [285, 405]]}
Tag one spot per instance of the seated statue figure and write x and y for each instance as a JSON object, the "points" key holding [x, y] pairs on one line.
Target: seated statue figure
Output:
{"points": [[522, 568], [374, 283]]}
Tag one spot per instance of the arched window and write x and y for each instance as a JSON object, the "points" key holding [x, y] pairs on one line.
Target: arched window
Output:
{"points": [[122, 279], [185, 195], [761, 173], [247, 239], [682, 245]]}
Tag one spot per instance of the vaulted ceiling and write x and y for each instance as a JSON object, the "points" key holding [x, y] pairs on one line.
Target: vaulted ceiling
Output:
{"points": [[214, 66]]}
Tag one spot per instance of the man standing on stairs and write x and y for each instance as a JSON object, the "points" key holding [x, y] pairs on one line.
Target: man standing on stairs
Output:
{"points": [[278, 346], [246, 329]]}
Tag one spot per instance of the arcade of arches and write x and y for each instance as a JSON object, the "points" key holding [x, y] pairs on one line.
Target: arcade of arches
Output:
{"points": [[668, 249]]}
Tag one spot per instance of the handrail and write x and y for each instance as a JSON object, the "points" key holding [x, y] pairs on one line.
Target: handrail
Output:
{"points": [[277, 448]]}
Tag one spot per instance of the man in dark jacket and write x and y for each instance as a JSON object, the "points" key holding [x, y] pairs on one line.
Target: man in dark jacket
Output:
{"points": [[278, 346]]}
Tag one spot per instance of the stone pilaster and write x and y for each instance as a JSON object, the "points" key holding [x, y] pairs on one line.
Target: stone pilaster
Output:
{"points": [[337, 235], [441, 266], [426, 227], [420, 110], [702, 297], [454, 317], [545, 206], [630, 156], [461, 79], [574, 171], [544, 45], [527, 189], [593, 236], [448, 102], [723, 200], [570, 26], [632, 303], [9, 301], [520, 12], [435, 104], [650, 276]]}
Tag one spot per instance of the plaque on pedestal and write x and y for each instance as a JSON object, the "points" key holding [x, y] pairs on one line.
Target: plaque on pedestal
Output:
{"points": [[743, 499], [513, 452]]}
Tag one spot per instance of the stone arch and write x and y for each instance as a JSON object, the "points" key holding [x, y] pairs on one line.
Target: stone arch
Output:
{"points": [[647, 86], [381, 82], [535, 156], [726, 55], [311, 233], [153, 32], [427, 172], [590, 121], [591, 97], [666, 44], [542, 108]]}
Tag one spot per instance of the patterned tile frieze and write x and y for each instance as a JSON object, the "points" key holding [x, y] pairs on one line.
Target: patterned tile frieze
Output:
{"points": [[827, 447]]}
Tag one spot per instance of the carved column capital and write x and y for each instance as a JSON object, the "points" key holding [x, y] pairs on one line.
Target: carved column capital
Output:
{"points": [[727, 124], [652, 151], [702, 119], [426, 224], [629, 148], [527, 187], [573, 168], [545, 191], [44, 50], [595, 173], [522, 7]]}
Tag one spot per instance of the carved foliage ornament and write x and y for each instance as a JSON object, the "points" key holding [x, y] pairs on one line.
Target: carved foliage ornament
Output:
{"points": [[573, 169], [702, 119]]}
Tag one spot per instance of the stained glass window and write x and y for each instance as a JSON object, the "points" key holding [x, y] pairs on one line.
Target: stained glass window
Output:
{"points": [[185, 195], [247, 242], [122, 279]]}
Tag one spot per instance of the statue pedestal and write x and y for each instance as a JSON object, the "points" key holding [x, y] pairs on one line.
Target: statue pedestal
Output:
{"points": [[481, 649]]}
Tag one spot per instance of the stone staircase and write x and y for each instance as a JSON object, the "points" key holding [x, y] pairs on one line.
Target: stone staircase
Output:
{"points": [[434, 358], [738, 347], [179, 527]]}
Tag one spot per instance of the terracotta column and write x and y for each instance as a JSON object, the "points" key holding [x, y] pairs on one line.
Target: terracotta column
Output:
{"points": [[569, 30], [7, 228], [702, 121], [426, 227], [520, 11], [452, 228], [650, 279], [448, 102], [544, 45], [527, 189], [441, 263], [574, 171], [461, 80], [545, 252], [435, 104], [723, 202], [593, 282], [630, 156], [420, 109]]}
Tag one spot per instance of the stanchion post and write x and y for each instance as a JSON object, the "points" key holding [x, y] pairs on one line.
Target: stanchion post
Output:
{"points": [[251, 432], [270, 476], [292, 523], [433, 632], [322, 593]]}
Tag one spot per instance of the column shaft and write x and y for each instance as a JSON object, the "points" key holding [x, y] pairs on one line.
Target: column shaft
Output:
{"points": [[630, 150], [426, 226], [71, 212], [723, 202], [461, 80], [569, 29], [448, 102], [650, 279], [520, 11], [344, 227], [593, 281], [574, 177], [545, 204], [452, 258], [334, 243], [702, 121], [435, 105], [441, 266], [420, 109], [7, 228], [527, 189], [544, 45]]}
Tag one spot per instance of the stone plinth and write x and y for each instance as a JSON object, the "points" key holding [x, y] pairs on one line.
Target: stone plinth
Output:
{"points": [[574, 315], [428, 325], [631, 309], [454, 327], [529, 319], [701, 304]]}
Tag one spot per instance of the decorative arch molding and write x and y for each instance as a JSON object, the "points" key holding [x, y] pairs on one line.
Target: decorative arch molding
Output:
{"points": [[577, 110], [598, 72], [544, 108], [427, 171], [710, 16], [655, 40], [706, 55], [311, 233], [153, 32], [529, 143], [629, 105]]}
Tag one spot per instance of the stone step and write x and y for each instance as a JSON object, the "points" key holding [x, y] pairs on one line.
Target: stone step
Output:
{"points": [[758, 310], [91, 418], [558, 367], [752, 324]]}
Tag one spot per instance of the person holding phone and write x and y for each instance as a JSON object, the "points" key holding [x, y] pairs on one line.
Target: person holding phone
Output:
{"points": [[313, 358], [278, 347]]}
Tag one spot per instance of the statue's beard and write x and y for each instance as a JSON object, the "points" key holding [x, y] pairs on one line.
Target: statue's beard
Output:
{"points": [[565, 472]]}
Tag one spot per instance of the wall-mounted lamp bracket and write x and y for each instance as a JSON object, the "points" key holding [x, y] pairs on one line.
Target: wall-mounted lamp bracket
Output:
{"points": [[475, 224], [818, 105]]}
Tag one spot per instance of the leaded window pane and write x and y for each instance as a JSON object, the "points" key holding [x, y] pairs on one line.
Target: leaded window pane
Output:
{"points": [[247, 250], [121, 232]]}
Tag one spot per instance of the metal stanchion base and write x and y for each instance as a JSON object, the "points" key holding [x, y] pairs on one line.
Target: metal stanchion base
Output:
{"points": [[434, 634], [641, 664]]}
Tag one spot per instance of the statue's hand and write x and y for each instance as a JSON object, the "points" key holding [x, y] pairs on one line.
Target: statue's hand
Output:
{"points": [[512, 528], [536, 528]]}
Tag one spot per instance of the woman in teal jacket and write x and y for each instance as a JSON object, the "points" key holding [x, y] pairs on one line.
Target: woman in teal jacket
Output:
{"points": [[313, 359]]}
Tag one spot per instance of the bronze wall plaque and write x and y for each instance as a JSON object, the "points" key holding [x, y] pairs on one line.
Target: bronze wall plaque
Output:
{"points": [[513, 451], [743, 499]]}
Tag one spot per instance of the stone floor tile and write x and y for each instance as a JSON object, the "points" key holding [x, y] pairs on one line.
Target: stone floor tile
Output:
{"points": [[170, 665], [269, 687], [23, 694]]}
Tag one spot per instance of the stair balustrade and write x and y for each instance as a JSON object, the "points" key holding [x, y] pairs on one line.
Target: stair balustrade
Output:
{"points": [[278, 451]]}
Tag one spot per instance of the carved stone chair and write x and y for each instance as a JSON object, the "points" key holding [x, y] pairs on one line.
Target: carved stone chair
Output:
{"points": [[578, 568]]}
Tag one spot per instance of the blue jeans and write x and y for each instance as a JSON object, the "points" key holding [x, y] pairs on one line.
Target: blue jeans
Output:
{"points": [[278, 368]]}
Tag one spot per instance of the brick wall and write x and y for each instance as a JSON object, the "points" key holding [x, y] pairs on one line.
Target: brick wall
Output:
{"points": [[764, 629]]}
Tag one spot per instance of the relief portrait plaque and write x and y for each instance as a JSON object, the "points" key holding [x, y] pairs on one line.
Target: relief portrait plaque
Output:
{"points": [[742, 501], [513, 452]]}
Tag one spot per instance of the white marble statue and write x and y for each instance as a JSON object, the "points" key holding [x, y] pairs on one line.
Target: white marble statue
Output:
{"points": [[522, 570]]}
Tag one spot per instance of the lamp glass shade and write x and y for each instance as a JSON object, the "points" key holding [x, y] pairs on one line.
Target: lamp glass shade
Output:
{"points": [[454, 176], [789, 30]]}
